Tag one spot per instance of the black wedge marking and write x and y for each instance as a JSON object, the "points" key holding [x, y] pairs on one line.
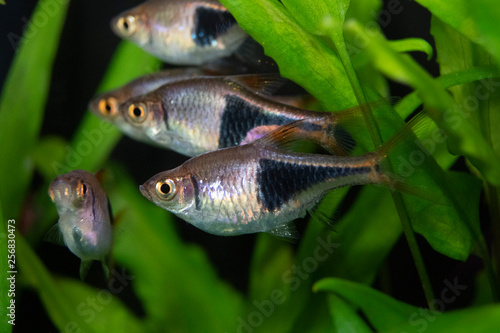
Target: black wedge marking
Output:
{"points": [[209, 24], [240, 117], [196, 188], [280, 181]]}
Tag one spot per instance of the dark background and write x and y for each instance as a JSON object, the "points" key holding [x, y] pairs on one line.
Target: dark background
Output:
{"points": [[86, 47]]}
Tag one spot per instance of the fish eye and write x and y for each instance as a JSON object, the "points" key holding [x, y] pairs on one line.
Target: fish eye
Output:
{"points": [[137, 112], [107, 106], [166, 189], [127, 25], [81, 189]]}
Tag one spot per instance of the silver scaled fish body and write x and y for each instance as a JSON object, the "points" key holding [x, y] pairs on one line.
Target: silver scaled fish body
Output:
{"points": [[261, 186], [84, 217], [181, 32], [198, 115], [105, 106]]}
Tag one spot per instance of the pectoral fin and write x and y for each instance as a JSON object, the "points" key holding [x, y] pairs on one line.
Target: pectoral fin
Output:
{"points": [[84, 268]]}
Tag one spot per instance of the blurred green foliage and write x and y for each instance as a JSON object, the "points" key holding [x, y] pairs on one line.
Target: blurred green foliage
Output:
{"points": [[336, 51]]}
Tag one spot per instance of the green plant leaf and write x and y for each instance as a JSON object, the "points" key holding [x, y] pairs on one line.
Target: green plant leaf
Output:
{"points": [[482, 319], [175, 282], [345, 317], [100, 308], [477, 21], [382, 311], [411, 45], [318, 17], [301, 57], [22, 104], [463, 139], [271, 257], [55, 301]]}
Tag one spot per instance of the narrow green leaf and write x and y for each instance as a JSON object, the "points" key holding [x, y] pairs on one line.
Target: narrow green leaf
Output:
{"points": [[301, 57], [94, 139], [100, 308], [382, 311], [23, 101], [412, 45], [71, 304], [56, 302]]}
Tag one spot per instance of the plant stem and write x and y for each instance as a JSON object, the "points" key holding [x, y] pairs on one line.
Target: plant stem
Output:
{"points": [[492, 198], [338, 39]]}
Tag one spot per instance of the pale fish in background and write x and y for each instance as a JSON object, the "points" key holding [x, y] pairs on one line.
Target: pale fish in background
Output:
{"points": [[262, 186], [105, 105], [181, 32], [202, 114], [84, 217]]}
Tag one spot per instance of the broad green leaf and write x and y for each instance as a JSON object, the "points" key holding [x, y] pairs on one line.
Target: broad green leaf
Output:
{"points": [[484, 319], [301, 57], [345, 317], [463, 137], [178, 288], [318, 17], [382, 311], [477, 20], [22, 104], [4, 283]]}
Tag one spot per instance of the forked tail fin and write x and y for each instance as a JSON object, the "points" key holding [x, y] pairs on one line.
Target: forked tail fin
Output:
{"points": [[397, 146]]}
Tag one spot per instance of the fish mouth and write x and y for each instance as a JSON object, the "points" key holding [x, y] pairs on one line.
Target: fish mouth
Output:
{"points": [[145, 192], [51, 194]]}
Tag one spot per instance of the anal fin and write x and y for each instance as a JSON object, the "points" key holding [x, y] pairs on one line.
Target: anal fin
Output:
{"points": [[286, 232]]}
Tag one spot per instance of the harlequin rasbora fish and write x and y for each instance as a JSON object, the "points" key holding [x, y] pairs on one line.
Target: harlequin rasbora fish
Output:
{"points": [[84, 217], [181, 32], [263, 186]]}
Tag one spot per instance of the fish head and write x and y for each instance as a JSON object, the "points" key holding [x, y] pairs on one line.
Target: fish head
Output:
{"points": [[133, 25], [172, 190], [72, 192], [105, 106], [143, 114]]}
